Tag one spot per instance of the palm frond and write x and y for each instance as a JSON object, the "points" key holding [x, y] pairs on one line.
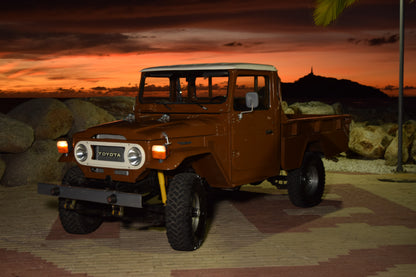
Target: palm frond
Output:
{"points": [[327, 11]]}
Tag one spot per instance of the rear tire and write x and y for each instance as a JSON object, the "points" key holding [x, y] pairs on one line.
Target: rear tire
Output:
{"points": [[186, 212], [72, 221], [306, 184]]}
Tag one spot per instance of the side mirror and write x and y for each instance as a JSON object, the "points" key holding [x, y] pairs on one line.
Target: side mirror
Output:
{"points": [[252, 100]]}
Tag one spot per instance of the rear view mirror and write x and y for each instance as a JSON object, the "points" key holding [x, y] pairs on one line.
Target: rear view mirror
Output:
{"points": [[252, 100]]}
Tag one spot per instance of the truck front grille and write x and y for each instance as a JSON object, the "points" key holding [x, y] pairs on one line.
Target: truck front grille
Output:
{"points": [[104, 154]]}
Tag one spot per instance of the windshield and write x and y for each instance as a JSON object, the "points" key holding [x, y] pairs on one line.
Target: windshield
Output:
{"points": [[184, 87]]}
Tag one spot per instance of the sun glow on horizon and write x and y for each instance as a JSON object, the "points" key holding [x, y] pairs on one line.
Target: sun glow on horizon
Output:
{"points": [[123, 70]]}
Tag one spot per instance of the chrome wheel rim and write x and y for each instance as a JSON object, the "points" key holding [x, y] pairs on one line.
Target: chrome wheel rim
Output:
{"points": [[196, 212], [311, 180]]}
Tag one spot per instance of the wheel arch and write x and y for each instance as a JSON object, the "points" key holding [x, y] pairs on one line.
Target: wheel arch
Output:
{"points": [[293, 158], [314, 147], [207, 167]]}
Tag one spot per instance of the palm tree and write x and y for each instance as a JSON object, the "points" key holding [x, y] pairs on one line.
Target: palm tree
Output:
{"points": [[327, 11]]}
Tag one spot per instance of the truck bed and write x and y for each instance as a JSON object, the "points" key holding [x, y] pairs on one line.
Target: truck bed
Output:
{"points": [[327, 134]]}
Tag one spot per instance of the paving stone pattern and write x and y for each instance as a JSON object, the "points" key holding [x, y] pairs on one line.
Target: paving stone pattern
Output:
{"points": [[364, 227]]}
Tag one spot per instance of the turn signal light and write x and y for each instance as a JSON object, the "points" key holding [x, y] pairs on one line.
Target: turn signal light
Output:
{"points": [[62, 146], [159, 152]]}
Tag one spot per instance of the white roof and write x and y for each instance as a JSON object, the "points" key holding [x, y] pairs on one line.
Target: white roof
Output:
{"points": [[211, 66]]}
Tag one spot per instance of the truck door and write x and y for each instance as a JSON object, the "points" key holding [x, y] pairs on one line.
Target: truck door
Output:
{"points": [[254, 133]]}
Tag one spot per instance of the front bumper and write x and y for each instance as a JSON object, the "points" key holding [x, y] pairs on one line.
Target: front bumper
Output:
{"points": [[123, 199]]}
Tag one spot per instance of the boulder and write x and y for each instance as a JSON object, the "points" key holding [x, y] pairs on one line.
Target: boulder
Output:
{"points": [[369, 141], [15, 136], [38, 164], [409, 128], [86, 115], [338, 109], [392, 150], [390, 128], [286, 108], [50, 118], [313, 107], [2, 168], [413, 150], [408, 136], [356, 124], [118, 106]]}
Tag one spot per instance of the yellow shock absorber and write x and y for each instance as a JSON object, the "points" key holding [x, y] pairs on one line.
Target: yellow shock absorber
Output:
{"points": [[162, 186]]}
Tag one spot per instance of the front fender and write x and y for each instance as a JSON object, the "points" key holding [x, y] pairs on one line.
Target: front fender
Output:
{"points": [[175, 159]]}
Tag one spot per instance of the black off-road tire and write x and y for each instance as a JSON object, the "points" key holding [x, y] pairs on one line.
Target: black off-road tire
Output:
{"points": [[74, 177], [306, 184], [186, 212], [72, 221]]}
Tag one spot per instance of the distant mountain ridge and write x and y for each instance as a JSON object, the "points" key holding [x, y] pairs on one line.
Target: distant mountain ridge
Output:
{"points": [[314, 87]]}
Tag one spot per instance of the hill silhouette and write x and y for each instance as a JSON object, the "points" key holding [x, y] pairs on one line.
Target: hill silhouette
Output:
{"points": [[314, 87]]}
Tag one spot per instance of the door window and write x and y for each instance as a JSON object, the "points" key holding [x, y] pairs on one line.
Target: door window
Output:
{"points": [[244, 84]]}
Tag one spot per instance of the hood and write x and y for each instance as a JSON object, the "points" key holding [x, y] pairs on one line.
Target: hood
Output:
{"points": [[151, 129]]}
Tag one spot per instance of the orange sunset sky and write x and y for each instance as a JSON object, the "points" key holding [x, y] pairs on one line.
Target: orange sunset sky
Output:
{"points": [[48, 46]]}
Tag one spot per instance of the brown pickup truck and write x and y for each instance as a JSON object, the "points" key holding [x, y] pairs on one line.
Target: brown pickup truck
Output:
{"points": [[194, 127]]}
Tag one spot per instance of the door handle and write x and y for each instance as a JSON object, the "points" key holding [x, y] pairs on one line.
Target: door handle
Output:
{"points": [[269, 132]]}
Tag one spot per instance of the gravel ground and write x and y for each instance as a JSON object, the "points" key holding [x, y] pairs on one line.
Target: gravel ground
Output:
{"points": [[364, 166]]}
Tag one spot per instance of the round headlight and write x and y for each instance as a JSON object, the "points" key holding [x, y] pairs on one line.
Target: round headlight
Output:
{"points": [[81, 152], [134, 156]]}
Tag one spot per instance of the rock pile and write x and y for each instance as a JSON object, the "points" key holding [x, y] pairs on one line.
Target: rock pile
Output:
{"points": [[367, 140], [28, 134], [314, 107]]}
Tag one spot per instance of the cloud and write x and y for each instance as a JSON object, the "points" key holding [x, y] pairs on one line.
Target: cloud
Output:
{"points": [[99, 88], [55, 78], [233, 44], [45, 29], [383, 40], [19, 72], [40, 45], [390, 88], [394, 88], [377, 41]]}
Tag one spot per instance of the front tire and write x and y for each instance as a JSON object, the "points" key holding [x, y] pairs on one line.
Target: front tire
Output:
{"points": [[74, 222], [186, 212], [71, 219], [306, 184]]}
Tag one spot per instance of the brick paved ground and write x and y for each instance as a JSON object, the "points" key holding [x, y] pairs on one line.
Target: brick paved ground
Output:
{"points": [[364, 227]]}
